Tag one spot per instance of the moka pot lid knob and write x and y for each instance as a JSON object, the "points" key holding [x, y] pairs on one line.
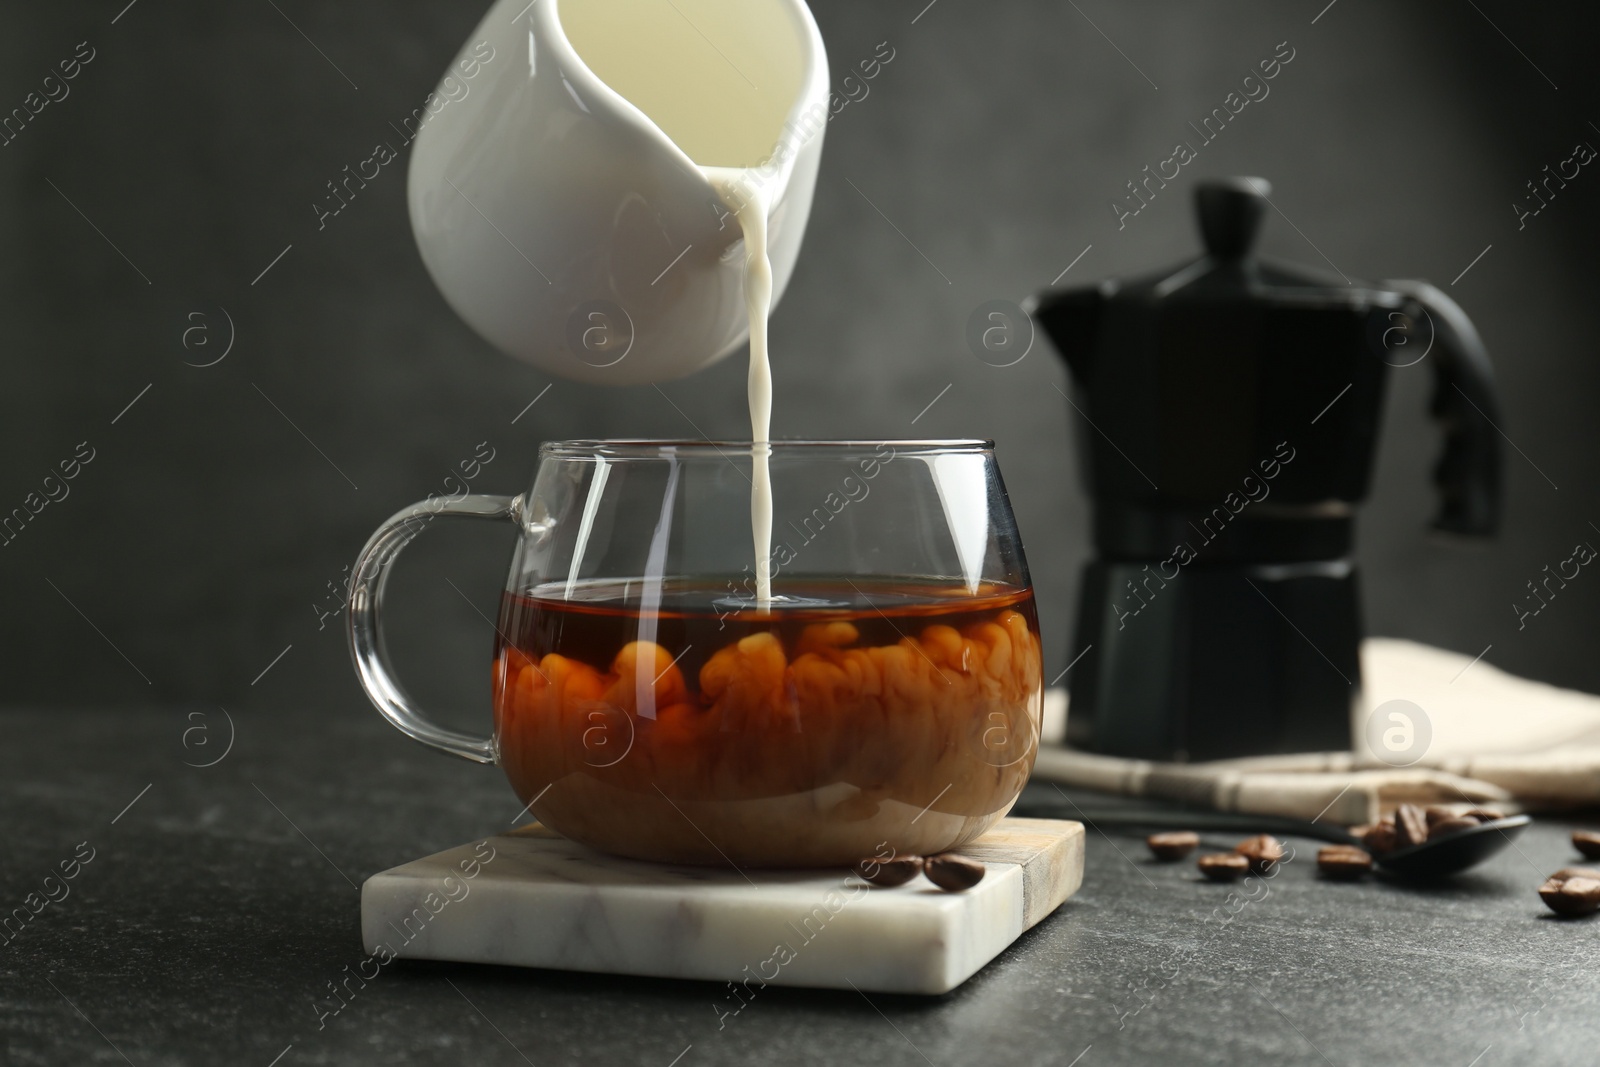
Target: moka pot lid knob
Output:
{"points": [[1231, 211]]}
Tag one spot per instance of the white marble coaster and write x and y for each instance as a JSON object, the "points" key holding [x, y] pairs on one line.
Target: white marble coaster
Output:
{"points": [[532, 899]]}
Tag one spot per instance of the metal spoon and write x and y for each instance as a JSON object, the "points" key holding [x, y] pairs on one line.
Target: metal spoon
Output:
{"points": [[1437, 858], [1453, 853]]}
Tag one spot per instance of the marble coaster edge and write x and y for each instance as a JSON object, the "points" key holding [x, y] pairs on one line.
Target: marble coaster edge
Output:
{"points": [[945, 938]]}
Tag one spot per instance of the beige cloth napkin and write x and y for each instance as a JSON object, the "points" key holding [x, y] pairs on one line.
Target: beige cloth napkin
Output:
{"points": [[1496, 739]]}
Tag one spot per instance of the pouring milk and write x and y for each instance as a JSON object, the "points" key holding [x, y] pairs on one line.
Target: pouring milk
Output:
{"points": [[727, 106], [596, 141]]}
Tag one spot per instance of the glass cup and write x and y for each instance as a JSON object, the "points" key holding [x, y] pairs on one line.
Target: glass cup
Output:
{"points": [[648, 704]]}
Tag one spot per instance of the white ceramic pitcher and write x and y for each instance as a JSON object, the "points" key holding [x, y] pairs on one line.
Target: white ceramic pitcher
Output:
{"points": [[565, 227]]}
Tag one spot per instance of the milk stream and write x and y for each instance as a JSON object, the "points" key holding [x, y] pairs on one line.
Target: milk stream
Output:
{"points": [[702, 96], [744, 196]]}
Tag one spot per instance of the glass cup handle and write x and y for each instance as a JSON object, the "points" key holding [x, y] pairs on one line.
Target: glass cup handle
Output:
{"points": [[367, 645]]}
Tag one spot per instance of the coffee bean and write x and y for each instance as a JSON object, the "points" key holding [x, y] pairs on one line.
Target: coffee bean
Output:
{"points": [[1436, 814], [1410, 826], [1451, 826], [952, 872], [1380, 839], [1262, 851], [1571, 897], [1484, 814], [1577, 872], [1173, 845], [1343, 861], [1587, 842], [890, 872], [1223, 866]]}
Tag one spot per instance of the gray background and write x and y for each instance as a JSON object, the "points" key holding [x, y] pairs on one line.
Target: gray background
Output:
{"points": [[192, 551]]}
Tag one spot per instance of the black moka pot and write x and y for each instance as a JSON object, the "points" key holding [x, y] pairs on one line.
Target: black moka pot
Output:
{"points": [[1228, 410]]}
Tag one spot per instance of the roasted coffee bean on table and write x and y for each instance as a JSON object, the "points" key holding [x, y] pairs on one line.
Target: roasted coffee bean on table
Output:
{"points": [[1380, 838], [888, 873], [1223, 866], [1343, 861], [952, 872], [1484, 814], [1587, 842], [1446, 827], [1173, 845], [1436, 814], [1410, 826], [1262, 851], [1572, 892]]}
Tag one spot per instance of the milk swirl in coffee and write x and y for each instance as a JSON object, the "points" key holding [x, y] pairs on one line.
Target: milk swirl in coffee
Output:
{"points": [[726, 105]]}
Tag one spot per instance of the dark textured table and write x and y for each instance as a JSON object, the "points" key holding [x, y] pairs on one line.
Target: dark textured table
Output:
{"points": [[218, 907]]}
